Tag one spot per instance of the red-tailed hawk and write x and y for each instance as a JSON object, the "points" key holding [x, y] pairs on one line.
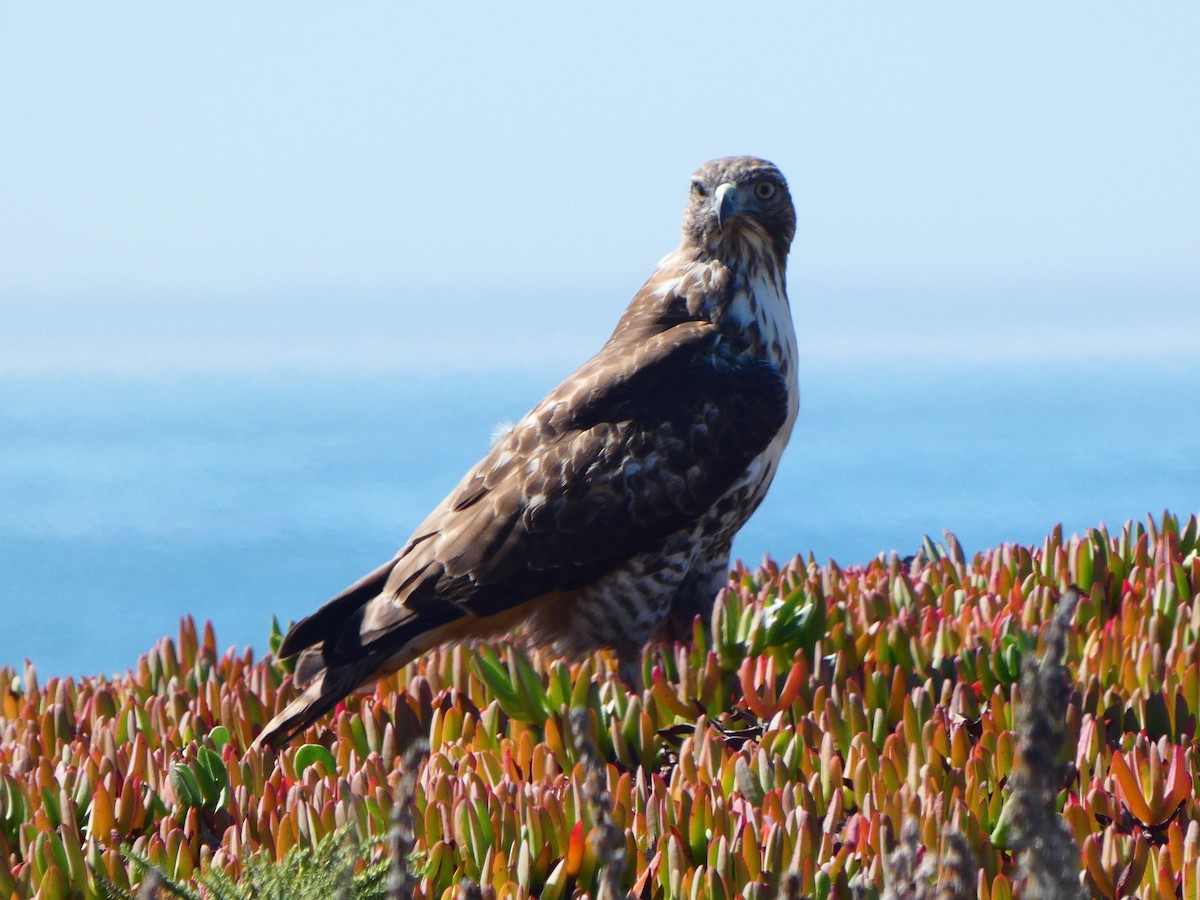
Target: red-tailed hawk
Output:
{"points": [[604, 517]]}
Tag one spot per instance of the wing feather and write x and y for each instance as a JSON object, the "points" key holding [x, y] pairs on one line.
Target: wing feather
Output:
{"points": [[644, 440], [635, 445], [608, 465]]}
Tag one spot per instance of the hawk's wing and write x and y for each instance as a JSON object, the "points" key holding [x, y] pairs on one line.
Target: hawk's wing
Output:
{"points": [[582, 486], [638, 444]]}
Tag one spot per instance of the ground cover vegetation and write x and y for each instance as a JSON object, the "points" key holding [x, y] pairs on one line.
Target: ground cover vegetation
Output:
{"points": [[933, 726]]}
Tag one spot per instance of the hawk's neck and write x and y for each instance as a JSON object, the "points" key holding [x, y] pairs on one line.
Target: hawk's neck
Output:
{"points": [[744, 296]]}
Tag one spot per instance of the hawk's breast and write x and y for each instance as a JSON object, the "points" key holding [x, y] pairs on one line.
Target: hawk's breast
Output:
{"points": [[760, 311]]}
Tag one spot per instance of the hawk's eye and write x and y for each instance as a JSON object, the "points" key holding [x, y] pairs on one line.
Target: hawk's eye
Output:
{"points": [[764, 190], [698, 189]]}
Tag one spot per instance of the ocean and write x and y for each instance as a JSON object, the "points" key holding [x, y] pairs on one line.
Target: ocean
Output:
{"points": [[129, 501]]}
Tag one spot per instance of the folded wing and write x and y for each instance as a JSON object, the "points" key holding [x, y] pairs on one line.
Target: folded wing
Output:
{"points": [[639, 443]]}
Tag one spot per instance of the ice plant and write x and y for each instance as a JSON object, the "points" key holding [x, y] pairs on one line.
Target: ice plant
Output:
{"points": [[1150, 795], [823, 709]]}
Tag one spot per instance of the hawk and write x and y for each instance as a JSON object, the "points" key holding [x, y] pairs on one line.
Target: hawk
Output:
{"points": [[604, 517]]}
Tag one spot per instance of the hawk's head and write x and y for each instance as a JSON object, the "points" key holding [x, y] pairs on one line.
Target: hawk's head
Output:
{"points": [[740, 205]]}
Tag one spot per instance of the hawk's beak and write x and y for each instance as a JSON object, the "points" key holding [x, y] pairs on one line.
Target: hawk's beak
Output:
{"points": [[725, 202]]}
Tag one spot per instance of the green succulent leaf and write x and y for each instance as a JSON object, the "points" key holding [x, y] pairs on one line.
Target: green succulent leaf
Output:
{"points": [[187, 787], [494, 673], [310, 755], [220, 736]]}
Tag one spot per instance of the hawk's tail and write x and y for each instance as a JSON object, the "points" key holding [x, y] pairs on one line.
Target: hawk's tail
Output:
{"points": [[327, 676], [334, 661], [324, 686], [321, 695]]}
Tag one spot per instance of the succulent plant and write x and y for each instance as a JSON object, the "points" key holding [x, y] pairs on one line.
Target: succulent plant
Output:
{"points": [[822, 711]]}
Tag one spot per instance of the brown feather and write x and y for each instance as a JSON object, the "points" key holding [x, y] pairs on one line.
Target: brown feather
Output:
{"points": [[666, 436]]}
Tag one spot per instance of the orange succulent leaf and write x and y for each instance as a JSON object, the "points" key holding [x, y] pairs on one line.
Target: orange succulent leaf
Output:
{"points": [[575, 850], [1131, 875], [753, 701], [1129, 790], [1093, 865], [1179, 781], [791, 687]]}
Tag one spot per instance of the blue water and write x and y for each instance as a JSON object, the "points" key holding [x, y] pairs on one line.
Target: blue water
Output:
{"points": [[128, 502]]}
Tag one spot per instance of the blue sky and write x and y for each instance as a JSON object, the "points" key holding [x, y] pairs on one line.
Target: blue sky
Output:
{"points": [[238, 185]]}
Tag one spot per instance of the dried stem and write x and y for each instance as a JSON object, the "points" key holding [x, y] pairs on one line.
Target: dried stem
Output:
{"points": [[958, 870], [401, 883], [1049, 854], [154, 881], [608, 841]]}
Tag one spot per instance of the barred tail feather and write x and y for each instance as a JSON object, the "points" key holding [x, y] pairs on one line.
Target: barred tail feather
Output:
{"points": [[321, 695], [324, 681]]}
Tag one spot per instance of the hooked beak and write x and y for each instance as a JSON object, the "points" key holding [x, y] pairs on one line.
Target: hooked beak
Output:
{"points": [[725, 203]]}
